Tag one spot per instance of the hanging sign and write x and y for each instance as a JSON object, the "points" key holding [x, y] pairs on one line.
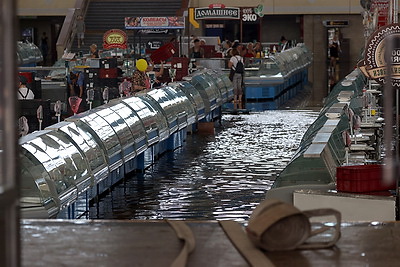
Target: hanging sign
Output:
{"points": [[336, 23], [141, 23], [375, 65], [217, 11], [115, 38]]}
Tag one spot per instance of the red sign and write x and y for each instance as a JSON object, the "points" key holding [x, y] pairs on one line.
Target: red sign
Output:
{"points": [[382, 6], [115, 39], [216, 6]]}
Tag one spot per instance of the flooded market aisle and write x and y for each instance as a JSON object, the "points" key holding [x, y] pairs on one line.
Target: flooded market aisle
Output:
{"points": [[212, 177]]}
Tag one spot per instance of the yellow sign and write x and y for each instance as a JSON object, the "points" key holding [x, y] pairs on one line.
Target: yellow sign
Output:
{"points": [[191, 18]]}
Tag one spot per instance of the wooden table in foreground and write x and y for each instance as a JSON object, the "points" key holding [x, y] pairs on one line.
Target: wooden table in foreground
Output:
{"points": [[154, 243]]}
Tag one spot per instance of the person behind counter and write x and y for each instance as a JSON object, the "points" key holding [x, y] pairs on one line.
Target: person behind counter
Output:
{"points": [[23, 91], [196, 51], [226, 49], [140, 80], [259, 50], [249, 50], [76, 84], [93, 51], [283, 44]]}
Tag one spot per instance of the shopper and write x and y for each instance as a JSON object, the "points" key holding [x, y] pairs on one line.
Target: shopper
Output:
{"points": [[44, 47], [23, 91], [140, 80], [93, 51], [237, 65], [80, 31], [226, 49], [76, 82], [334, 50]]}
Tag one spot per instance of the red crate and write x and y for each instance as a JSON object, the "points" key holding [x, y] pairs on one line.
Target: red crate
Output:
{"points": [[108, 73], [163, 53], [361, 179]]}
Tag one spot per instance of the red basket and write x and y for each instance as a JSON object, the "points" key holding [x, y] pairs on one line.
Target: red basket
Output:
{"points": [[361, 179]]}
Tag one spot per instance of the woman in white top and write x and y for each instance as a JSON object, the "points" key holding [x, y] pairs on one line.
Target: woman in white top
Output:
{"points": [[23, 91], [237, 78]]}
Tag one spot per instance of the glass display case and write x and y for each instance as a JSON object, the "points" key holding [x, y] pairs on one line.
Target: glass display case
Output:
{"points": [[86, 142], [153, 121], [171, 106], [275, 69], [28, 53], [121, 128], [76, 167], [228, 84], [104, 134], [220, 83], [166, 104], [207, 90], [185, 109], [193, 95], [38, 199], [159, 117], [214, 81], [61, 170], [133, 121]]}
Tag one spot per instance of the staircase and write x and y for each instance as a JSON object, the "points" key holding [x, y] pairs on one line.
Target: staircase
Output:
{"points": [[105, 15]]}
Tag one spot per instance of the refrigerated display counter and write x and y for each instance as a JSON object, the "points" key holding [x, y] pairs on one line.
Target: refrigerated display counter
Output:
{"points": [[72, 162], [185, 109], [207, 90], [193, 95], [153, 120], [104, 134]]}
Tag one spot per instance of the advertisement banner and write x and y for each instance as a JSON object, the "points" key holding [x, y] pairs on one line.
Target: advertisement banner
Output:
{"points": [[140, 23]]}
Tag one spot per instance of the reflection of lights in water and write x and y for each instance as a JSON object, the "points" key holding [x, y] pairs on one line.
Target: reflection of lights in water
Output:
{"points": [[213, 177]]}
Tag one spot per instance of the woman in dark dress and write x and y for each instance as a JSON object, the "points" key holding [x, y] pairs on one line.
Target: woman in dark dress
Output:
{"points": [[334, 49]]}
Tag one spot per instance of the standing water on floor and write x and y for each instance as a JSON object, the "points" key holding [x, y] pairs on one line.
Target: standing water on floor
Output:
{"points": [[212, 177]]}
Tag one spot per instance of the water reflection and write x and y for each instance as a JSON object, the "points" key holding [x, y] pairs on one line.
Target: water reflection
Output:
{"points": [[212, 177]]}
